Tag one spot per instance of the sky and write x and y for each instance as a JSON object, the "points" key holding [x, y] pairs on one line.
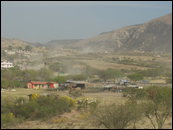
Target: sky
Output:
{"points": [[42, 21]]}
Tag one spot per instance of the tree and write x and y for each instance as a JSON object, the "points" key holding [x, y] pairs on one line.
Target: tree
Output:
{"points": [[134, 93], [10, 47], [45, 74], [135, 76], [28, 48], [60, 79], [159, 106], [110, 74], [20, 48], [78, 77], [12, 77], [169, 80], [57, 67], [118, 116], [4, 83]]}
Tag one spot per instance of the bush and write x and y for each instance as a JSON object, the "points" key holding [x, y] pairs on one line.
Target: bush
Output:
{"points": [[7, 104], [60, 79], [135, 76], [134, 93], [159, 105], [8, 119], [41, 107], [87, 103], [78, 77], [75, 92], [169, 80], [117, 116], [110, 74], [72, 102]]}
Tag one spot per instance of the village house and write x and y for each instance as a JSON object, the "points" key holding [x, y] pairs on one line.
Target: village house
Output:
{"points": [[76, 84], [10, 52], [39, 84], [5, 64]]}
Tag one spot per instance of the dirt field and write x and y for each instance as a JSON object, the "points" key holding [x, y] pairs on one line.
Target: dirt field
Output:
{"points": [[105, 65]]}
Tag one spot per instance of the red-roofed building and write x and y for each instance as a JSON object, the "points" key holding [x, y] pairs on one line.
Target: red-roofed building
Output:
{"points": [[39, 84]]}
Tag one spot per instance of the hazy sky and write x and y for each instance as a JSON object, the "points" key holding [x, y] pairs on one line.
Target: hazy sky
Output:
{"points": [[42, 21]]}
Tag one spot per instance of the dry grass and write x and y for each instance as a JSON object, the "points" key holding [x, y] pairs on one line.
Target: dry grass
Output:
{"points": [[143, 58], [77, 119], [105, 65], [107, 97], [23, 92]]}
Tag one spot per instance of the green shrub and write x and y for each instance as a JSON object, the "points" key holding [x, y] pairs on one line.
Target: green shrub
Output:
{"points": [[78, 77], [134, 93], [8, 119], [41, 107], [135, 76], [157, 106], [60, 79], [7, 104], [169, 80], [70, 101], [117, 116]]}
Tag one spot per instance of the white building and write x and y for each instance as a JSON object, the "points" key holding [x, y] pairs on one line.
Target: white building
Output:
{"points": [[6, 64], [10, 52]]}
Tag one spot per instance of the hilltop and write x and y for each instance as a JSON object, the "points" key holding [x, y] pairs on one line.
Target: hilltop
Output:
{"points": [[155, 35]]}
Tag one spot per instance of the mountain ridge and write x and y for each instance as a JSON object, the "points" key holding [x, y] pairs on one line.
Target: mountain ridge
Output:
{"points": [[154, 35]]}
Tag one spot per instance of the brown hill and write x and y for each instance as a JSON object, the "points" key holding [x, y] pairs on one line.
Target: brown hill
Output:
{"points": [[155, 35]]}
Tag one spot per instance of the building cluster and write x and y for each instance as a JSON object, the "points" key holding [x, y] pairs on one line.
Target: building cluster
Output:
{"points": [[6, 64], [62, 86]]}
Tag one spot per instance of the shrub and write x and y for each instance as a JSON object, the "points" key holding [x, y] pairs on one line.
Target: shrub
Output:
{"points": [[169, 80], [7, 104], [75, 92], [134, 93], [8, 119], [87, 103], [110, 74], [135, 76], [34, 96], [44, 107], [159, 105], [60, 79], [60, 120], [72, 102], [117, 116], [78, 77]]}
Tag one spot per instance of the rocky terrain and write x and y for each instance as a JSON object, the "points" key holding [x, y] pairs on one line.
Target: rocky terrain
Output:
{"points": [[155, 35]]}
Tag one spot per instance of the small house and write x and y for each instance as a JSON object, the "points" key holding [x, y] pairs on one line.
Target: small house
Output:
{"points": [[77, 84], [39, 84], [53, 85], [5, 64]]}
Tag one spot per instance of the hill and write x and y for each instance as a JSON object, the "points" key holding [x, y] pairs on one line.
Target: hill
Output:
{"points": [[155, 35]]}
